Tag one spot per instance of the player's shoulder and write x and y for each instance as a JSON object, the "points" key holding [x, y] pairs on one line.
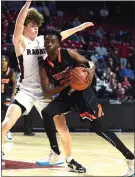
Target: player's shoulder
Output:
{"points": [[67, 52], [40, 38], [64, 50]]}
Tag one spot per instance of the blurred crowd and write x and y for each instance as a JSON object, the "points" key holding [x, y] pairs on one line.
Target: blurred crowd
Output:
{"points": [[110, 46]]}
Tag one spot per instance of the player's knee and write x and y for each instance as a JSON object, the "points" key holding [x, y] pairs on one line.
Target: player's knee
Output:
{"points": [[97, 126], [9, 119], [12, 115], [14, 111], [9, 115], [5, 121], [60, 123]]}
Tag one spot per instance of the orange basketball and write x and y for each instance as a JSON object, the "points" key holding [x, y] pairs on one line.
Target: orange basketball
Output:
{"points": [[79, 78]]}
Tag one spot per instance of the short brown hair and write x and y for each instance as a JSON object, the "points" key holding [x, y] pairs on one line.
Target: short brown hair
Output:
{"points": [[34, 16]]}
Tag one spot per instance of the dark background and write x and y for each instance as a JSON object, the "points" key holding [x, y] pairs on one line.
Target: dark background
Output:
{"points": [[119, 117]]}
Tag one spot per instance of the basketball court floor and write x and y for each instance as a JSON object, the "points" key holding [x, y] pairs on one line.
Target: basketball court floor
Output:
{"points": [[98, 156]]}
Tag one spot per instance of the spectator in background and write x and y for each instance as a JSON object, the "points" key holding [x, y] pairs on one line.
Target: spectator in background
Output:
{"points": [[117, 70], [104, 14], [76, 22], [113, 83], [8, 77], [101, 50], [100, 33], [123, 53], [122, 71], [91, 14], [121, 35], [107, 72], [106, 79], [111, 65], [114, 76], [126, 72], [94, 57], [46, 11], [75, 37], [116, 57], [100, 65], [60, 13], [110, 59], [52, 8], [113, 36], [130, 72], [120, 91], [107, 84], [99, 83], [5, 30], [122, 94], [3, 38], [10, 30], [131, 56], [126, 84]]}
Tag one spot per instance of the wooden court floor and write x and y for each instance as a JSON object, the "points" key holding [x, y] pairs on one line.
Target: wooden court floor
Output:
{"points": [[98, 156]]}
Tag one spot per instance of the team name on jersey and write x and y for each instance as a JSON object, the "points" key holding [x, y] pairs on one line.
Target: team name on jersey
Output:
{"points": [[61, 74], [4, 81], [35, 51]]}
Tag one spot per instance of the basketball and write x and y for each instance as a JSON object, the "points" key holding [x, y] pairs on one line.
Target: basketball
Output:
{"points": [[79, 78]]}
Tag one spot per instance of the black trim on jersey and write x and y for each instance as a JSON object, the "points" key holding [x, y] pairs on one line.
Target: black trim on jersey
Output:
{"points": [[40, 60], [20, 59], [19, 104]]}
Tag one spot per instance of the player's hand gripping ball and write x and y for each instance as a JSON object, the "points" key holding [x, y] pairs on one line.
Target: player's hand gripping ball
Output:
{"points": [[80, 78]]}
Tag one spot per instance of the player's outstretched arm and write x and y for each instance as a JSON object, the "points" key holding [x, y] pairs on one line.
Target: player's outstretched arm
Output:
{"points": [[82, 60], [65, 34], [19, 26]]}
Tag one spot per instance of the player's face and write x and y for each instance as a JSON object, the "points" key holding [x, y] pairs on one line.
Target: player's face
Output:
{"points": [[4, 63], [31, 30], [51, 43]]}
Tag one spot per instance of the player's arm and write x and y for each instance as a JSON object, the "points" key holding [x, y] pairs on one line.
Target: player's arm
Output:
{"points": [[46, 85], [14, 85], [19, 26], [82, 60], [65, 34]]}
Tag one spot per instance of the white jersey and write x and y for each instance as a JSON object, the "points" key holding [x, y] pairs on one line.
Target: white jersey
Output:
{"points": [[28, 62], [29, 92]]}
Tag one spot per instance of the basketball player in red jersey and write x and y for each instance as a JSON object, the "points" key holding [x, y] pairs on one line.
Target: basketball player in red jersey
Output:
{"points": [[28, 47], [53, 71]]}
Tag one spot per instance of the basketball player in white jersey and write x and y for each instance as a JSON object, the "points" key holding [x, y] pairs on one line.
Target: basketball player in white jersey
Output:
{"points": [[29, 48]]}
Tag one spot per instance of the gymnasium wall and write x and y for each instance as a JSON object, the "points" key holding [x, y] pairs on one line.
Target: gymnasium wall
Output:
{"points": [[116, 116]]}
